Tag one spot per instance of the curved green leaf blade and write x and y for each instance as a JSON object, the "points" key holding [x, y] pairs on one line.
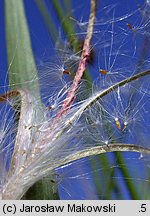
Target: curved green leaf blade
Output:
{"points": [[22, 67], [23, 73]]}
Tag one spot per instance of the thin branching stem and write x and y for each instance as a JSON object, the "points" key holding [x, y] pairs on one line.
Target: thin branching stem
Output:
{"points": [[120, 147], [104, 92], [83, 63]]}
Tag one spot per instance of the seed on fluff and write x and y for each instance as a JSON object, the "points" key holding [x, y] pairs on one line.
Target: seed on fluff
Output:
{"points": [[51, 107], [141, 156], [22, 168], [106, 142], [32, 155], [118, 125], [125, 125], [102, 71], [129, 26], [66, 72], [24, 151]]}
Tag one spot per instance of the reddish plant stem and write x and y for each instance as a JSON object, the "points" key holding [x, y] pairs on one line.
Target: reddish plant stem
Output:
{"points": [[82, 64]]}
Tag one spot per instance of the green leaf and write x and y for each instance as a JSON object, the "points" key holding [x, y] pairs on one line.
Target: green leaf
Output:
{"points": [[45, 189], [47, 19], [23, 72], [22, 67]]}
